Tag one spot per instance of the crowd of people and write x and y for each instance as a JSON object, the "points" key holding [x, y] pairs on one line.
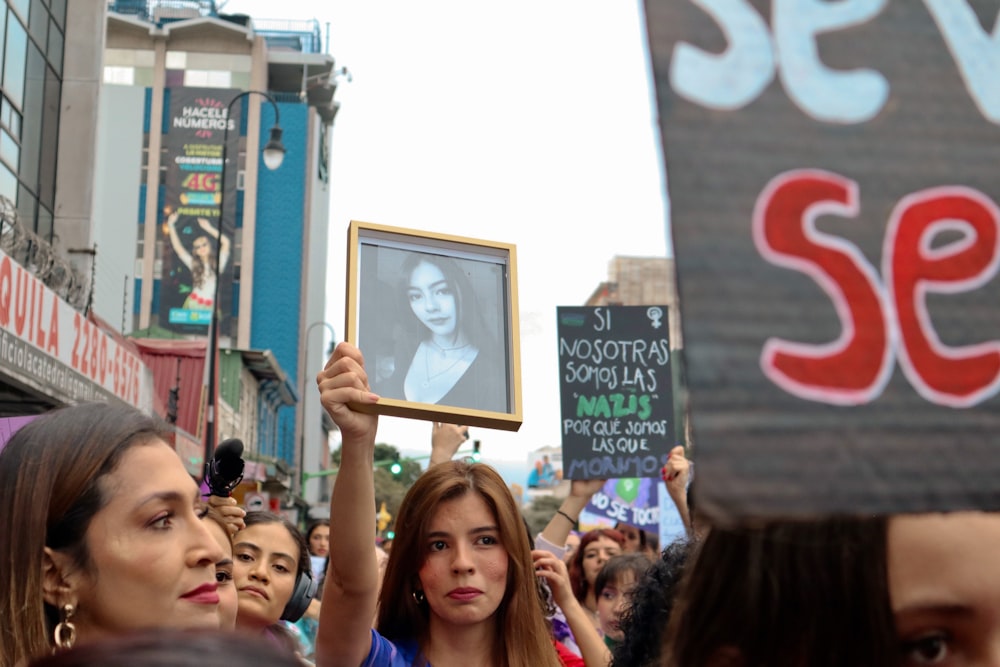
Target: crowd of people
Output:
{"points": [[112, 556]]}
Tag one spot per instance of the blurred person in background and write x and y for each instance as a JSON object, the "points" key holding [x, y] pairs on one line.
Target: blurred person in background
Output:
{"points": [[643, 622], [228, 604], [613, 587], [638, 540], [597, 547]]}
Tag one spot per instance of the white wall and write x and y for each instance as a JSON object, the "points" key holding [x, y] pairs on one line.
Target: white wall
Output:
{"points": [[116, 200]]}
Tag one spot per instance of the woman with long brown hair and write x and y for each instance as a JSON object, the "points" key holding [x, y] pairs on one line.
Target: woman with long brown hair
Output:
{"points": [[460, 585]]}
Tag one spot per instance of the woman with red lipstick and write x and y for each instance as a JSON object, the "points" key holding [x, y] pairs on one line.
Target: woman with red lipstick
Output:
{"points": [[101, 532], [460, 586]]}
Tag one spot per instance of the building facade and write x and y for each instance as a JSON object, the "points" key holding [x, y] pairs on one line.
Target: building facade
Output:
{"points": [[192, 212], [54, 350]]}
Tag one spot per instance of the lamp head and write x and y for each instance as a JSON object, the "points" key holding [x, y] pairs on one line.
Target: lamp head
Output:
{"points": [[274, 150]]}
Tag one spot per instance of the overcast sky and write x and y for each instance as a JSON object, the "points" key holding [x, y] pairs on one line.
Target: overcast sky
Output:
{"points": [[529, 122]]}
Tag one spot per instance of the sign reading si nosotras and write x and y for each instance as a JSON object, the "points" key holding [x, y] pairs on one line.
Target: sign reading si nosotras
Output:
{"points": [[616, 391], [833, 188]]}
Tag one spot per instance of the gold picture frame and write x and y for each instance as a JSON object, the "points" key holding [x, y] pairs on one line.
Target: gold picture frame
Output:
{"points": [[436, 318]]}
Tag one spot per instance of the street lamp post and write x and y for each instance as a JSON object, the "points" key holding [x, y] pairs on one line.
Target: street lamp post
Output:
{"points": [[301, 454], [273, 154]]}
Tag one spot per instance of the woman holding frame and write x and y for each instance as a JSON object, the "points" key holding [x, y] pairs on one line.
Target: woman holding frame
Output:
{"points": [[460, 586]]}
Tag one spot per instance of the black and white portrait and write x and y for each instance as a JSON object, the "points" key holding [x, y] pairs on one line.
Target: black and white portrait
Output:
{"points": [[431, 327]]}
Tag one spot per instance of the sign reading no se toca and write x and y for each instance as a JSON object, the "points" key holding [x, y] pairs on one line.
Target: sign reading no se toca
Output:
{"points": [[616, 392], [833, 187]]}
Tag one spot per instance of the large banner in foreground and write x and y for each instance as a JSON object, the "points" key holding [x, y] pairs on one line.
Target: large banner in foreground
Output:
{"points": [[833, 186]]}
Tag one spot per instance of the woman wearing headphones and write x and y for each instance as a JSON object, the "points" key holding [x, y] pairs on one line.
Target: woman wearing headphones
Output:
{"points": [[273, 576]]}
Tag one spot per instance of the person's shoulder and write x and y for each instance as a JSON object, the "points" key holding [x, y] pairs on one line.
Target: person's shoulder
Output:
{"points": [[386, 653]]}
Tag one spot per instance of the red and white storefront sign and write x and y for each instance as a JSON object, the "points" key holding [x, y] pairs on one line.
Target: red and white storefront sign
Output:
{"points": [[48, 345]]}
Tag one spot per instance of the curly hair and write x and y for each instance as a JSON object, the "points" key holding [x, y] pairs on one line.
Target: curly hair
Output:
{"points": [[645, 620]]}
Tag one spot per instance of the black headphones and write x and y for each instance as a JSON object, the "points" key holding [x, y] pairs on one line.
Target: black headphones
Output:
{"points": [[302, 595]]}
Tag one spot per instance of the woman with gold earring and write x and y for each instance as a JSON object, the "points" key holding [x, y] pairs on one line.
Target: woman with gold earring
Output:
{"points": [[101, 526]]}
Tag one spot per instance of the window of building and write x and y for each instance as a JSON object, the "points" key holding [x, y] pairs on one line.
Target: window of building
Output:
{"points": [[21, 7], [38, 24], [55, 49], [8, 183], [119, 76], [15, 54], [198, 78]]}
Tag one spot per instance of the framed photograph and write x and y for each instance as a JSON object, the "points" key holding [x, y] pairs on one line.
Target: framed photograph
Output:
{"points": [[436, 318]]}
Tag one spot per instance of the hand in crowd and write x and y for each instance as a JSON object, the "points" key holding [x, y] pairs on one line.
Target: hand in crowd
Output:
{"points": [[553, 570], [585, 488], [230, 512], [445, 441], [344, 392], [676, 472]]}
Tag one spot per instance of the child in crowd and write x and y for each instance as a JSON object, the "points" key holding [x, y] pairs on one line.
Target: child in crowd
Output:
{"points": [[613, 589]]}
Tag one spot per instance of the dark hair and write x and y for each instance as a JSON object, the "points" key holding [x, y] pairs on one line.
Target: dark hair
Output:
{"points": [[787, 594], [174, 648], [576, 577], [644, 621], [522, 635], [50, 489], [647, 541], [468, 312], [313, 526], [264, 517], [636, 563]]}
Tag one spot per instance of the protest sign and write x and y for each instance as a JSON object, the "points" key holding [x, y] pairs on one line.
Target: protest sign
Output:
{"points": [[635, 501], [615, 389], [831, 171]]}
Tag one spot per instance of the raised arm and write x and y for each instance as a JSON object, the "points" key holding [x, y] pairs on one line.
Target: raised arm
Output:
{"points": [[676, 475], [568, 514], [445, 441], [592, 648], [349, 595], [175, 240]]}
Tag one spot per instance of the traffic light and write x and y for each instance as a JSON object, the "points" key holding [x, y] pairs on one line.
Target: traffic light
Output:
{"points": [[475, 451], [396, 468]]}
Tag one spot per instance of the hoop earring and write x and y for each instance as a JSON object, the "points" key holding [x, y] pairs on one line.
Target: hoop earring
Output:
{"points": [[419, 597], [64, 635]]}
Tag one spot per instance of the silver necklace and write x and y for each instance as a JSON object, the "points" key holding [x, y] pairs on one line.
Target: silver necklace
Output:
{"points": [[427, 365], [442, 350]]}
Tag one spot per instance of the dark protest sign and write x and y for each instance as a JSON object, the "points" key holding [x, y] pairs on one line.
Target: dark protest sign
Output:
{"points": [[616, 393], [833, 186]]}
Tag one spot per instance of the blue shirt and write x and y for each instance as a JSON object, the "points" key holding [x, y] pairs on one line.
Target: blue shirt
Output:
{"points": [[386, 654]]}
